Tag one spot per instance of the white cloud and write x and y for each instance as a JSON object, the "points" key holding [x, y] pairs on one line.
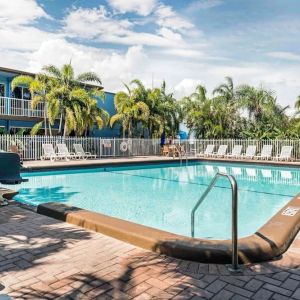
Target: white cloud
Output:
{"points": [[186, 87], [167, 17], [113, 67], [23, 38], [98, 24], [20, 12], [284, 55], [94, 22], [141, 7]]}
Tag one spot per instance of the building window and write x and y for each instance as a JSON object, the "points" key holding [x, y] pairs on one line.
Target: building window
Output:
{"points": [[2, 90], [26, 94], [21, 93]]}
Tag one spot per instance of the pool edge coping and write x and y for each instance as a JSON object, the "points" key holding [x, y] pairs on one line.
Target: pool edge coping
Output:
{"points": [[98, 163], [268, 243]]}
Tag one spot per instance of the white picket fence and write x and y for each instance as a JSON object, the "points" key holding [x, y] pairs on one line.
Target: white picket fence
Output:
{"points": [[31, 146]]}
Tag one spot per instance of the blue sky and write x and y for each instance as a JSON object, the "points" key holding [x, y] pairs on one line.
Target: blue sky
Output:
{"points": [[183, 42]]}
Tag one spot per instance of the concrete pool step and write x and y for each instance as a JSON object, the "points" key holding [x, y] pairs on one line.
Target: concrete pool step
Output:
{"points": [[268, 243]]}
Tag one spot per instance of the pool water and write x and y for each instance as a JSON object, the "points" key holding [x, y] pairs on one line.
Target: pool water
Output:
{"points": [[162, 196]]}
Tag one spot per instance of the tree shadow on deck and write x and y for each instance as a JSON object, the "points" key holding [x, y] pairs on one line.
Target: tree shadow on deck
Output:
{"points": [[27, 239]]}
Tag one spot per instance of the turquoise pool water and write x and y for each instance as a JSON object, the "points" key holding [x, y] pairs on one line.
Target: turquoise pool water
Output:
{"points": [[163, 196]]}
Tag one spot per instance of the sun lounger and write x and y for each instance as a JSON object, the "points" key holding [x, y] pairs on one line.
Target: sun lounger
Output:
{"points": [[49, 152], [208, 151], [236, 152], [63, 152], [266, 152], [79, 151], [221, 151], [250, 152], [285, 154]]}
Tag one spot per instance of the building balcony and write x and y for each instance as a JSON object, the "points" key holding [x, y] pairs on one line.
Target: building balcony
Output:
{"points": [[13, 107]]}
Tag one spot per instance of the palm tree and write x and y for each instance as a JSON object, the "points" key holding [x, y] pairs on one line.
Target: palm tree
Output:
{"points": [[93, 114], [38, 88], [67, 97], [226, 91], [129, 110], [254, 100]]}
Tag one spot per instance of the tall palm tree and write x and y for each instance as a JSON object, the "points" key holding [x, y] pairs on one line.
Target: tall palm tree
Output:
{"points": [[129, 110], [254, 100], [226, 91], [67, 97], [165, 114], [38, 88]]}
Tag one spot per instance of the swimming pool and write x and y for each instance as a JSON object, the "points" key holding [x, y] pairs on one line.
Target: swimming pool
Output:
{"points": [[162, 196]]}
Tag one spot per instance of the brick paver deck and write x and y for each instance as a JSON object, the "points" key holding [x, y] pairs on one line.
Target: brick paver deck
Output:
{"points": [[42, 258]]}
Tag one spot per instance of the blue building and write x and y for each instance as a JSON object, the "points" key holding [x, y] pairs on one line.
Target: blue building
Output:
{"points": [[16, 112]]}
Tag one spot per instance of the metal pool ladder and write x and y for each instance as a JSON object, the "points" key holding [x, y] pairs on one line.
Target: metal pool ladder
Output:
{"points": [[234, 221]]}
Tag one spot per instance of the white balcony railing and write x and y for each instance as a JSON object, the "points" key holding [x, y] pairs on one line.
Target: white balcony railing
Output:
{"points": [[19, 107]]}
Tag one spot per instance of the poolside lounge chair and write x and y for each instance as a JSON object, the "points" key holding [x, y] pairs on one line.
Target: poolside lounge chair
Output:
{"points": [[285, 154], [208, 151], [63, 152], [79, 151], [221, 151], [49, 152], [266, 152], [236, 152], [250, 152]]}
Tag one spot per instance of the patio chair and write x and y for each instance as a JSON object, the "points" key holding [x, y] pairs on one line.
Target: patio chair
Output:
{"points": [[285, 154], [250, 152], [221, 151], [63, 152], [266, 152], [79, 151], [179, 150], [236, 152], [165, 150], [49, 152], [208, 151]]}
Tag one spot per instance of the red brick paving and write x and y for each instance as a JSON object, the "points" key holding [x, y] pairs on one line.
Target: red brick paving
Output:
{"points": [[42, 258]]}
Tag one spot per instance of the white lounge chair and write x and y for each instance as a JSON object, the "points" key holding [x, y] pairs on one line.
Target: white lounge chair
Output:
{"points": [[49, 152], [250, 152], [221, 151], [81, 153], [285, 154], [63, 152], [208, 151], [236, 151], [266, 153]]}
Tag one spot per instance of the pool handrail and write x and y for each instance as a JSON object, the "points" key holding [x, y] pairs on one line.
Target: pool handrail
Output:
{"points": [[234, 220]]}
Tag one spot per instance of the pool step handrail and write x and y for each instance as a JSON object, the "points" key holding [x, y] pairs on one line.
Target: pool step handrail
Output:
{"points": [[234, 221]]}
